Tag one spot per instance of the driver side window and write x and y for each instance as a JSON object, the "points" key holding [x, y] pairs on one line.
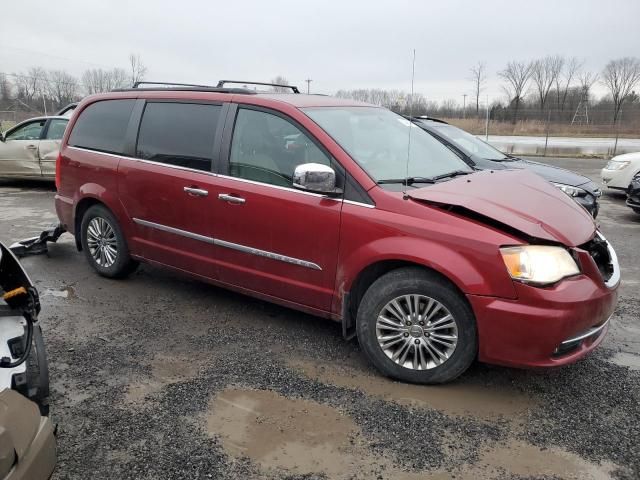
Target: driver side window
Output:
{"points": [[30, 131], [267, 148]]}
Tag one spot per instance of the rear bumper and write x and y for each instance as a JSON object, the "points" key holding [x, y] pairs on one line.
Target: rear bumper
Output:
{"points": [[39, 461], [544, 327], [64, 210]]}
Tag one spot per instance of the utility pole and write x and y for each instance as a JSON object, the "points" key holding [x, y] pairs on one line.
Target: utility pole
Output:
{"points": [[464, 105], [309, 80]]}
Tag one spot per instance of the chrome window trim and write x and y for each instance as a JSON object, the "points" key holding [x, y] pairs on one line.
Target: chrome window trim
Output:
{"points": [[358, 204], [279, 187], [151, 162], [175, 231], [233, 246], [177, 167]]}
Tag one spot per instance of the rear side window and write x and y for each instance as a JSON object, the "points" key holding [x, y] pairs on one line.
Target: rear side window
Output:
{"points": [[102, 126], [179, 134]]}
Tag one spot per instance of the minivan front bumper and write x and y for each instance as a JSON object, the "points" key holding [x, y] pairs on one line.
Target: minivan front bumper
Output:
{"points": [[547, 326]]}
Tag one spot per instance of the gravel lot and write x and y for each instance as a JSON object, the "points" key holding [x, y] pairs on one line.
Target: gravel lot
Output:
{"points": [[162, 377]]}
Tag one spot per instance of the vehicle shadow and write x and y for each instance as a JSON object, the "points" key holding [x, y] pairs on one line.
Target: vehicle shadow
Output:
{"points": [[43, 185]]}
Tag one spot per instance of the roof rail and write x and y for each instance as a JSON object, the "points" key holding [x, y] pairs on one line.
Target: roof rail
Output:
{"points": [[292, 87], [171, 86]]}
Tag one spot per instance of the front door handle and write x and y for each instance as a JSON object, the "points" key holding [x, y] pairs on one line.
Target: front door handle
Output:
{"points": [[31, 147], [196, 192], [225, 197]]}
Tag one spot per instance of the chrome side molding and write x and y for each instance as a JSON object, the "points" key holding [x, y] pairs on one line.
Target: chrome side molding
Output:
{"points": [[230, 245], [266, 254]]}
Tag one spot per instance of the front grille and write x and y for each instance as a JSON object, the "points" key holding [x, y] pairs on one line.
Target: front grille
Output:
{"points": [[598, 248]]}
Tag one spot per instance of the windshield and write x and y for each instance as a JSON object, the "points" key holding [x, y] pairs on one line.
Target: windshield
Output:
{"points": [[470, 143], [378, 139]]}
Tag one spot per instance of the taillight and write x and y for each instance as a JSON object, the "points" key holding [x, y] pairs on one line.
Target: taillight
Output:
{"points": [[58, 162]]}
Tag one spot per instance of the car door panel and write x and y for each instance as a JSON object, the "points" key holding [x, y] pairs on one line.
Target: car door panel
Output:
{"points": [[269, 237], [167, 190], [19, 152], [50, 146], [171, 225], [278, 242]]}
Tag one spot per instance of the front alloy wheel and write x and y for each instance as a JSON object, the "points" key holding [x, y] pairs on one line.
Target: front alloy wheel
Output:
{"points": [[417, 332], [414, 325]]}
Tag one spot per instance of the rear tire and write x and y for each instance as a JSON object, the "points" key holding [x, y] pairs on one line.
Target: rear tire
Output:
{"points": [[104, 244], [415, 326]]}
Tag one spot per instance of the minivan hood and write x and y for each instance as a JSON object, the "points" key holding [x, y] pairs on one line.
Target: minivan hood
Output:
{"points": [[519, 199]]}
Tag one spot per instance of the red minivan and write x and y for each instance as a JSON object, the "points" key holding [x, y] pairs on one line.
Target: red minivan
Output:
{"points": [[344, 210]]}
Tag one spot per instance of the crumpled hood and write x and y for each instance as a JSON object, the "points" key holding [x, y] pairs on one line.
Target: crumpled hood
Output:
{"points": [[519, 199]]}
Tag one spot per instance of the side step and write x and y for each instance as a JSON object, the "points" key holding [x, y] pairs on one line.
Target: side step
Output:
{"points": [[37, 245]]}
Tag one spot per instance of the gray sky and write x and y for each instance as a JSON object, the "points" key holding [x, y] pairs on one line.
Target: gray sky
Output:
{"points": [[339, 44]]}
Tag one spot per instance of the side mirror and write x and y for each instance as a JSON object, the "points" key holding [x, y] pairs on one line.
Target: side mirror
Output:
{"points": [[315, 177]]}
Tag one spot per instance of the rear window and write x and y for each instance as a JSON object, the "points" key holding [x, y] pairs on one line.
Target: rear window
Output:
{"points": [[179, 134], [102, 126]]}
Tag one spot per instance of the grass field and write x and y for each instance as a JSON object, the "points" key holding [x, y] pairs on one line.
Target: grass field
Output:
{"points": [[539, 128]]}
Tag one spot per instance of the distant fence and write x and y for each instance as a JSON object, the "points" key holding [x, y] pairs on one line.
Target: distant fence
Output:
{"points": [[553, 132]]}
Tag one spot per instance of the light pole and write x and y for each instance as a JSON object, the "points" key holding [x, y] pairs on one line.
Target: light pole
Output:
{"points": [[309, 80], [464, 105]]}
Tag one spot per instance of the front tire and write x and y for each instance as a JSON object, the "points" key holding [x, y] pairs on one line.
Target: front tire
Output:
{"points": [[104, 244], [415, 326]]}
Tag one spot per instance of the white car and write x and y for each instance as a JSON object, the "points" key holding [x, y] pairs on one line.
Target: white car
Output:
{"points": [[617, 174]]}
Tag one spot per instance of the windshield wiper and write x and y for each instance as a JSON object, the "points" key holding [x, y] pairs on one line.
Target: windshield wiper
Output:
{"points": [[455, 173], [406, 181]]}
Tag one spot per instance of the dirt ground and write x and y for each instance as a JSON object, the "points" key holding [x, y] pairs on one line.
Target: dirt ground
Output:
{"points": [[163, 377]]}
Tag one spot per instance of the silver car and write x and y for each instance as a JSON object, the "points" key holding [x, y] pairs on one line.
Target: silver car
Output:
{"points": [[29, 150]]}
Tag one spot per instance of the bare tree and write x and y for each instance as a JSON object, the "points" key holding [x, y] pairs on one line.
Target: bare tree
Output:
{"points": [[30, 85], [620, 77], [544, 73], [280, 80], [569, 69], [5, 87], [97, 80], [516, 76], [62, 88], [138, 69], [479, 78]]}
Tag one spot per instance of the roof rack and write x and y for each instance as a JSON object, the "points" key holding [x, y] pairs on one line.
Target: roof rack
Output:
{"points": [[292, 87], [172, 86]]}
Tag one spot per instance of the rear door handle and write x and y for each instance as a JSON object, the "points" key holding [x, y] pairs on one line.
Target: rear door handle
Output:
{"points": [[196, 192], [225, 197]]}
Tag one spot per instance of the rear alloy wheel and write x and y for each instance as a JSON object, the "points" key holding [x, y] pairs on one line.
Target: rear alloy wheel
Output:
{"points": [[104, 244], [415, 326]]}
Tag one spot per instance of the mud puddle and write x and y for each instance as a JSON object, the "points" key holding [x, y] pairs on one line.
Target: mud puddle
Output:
{"points": [[626, 359], [456, 399], [294, 435], [284, 436], [66, 292], [522, 459], [165, 370]]}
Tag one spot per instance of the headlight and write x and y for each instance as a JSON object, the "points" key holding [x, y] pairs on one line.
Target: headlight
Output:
{"points": [[571, 191], [617, 165], [539, 264]]}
